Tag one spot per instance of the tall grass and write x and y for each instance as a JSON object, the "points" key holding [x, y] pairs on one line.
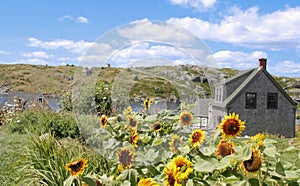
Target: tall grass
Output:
{"points": [[11, 145], [46, 157]]}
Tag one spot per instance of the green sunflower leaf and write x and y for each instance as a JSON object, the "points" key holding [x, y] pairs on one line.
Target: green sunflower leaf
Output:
{"points": [[157, 142], [279, 169], [270, 151], [89, 181], [253, 182], [208, 151], [208, 165], [246, 152]]}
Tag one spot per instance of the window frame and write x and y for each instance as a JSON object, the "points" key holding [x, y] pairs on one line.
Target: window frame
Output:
{"points": [[272, 104], [249, 105]]}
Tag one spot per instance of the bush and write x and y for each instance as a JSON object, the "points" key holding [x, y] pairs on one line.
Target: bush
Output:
{"points": [[59, 124]]}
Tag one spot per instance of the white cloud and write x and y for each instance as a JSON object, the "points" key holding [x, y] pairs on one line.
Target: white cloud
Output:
{"points": [[77, 47], [277, 30], [144, 29], [82, 20], [66, 17], [237, 59], [198, 4], [37, 54], [3, 52], [286, 68], [79, 19], [141, 53], [32, 61]]}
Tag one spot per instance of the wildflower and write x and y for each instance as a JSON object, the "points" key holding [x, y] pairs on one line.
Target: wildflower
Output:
{"points": [[197, 137], [170, 173], [231, 126], [183, 167], [125, 158], [258, 139], [147, 182], [175, 143], [76, 168], [254, 163], [156, 127], [128, 110], [147, 104], [225, 148], [103, 121], [132, 122], [185, 118], [134, 137]]}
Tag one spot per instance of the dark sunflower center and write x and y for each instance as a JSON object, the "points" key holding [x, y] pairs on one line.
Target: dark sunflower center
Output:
{"points": [[132, 122], [176, 143], [156, 126], [196, 136], [76, 166], [224, 150], [186, 118], [103, 120], [171, 179], [253, 164], [231, 127], [125, 158]]}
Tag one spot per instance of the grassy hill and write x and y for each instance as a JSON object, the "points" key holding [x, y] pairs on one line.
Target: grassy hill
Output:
{"points": [[58, 79], [34, 78]]}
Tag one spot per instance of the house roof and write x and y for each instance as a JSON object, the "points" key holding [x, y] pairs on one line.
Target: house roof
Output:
{"points": [[252, 74], [9, 98]]}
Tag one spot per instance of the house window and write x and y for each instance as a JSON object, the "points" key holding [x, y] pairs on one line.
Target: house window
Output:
{"points": [[272, 100], [250, 100]]}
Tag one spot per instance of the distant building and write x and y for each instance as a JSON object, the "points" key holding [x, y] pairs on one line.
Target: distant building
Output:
{"points": [[258, 99], [23, 101]]}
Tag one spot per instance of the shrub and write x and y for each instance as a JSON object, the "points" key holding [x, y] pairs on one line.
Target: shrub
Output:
{"points": [[59, 124]]}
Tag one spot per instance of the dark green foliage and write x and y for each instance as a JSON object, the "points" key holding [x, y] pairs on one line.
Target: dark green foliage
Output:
{"points": [[59, 124], [103, 98]]}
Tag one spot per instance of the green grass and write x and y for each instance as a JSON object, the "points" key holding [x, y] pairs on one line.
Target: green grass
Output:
{"points": [[153, 87], [12, 144]]}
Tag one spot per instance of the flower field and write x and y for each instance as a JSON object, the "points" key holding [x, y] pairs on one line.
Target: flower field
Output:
{"points": [[137, 148]]}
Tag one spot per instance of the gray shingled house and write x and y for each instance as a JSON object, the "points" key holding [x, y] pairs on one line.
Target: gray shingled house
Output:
{"points": [[23, 100], [258, 99]]}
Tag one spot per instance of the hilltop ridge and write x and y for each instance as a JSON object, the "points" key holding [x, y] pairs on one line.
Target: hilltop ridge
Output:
{"points": [[58, 79]]}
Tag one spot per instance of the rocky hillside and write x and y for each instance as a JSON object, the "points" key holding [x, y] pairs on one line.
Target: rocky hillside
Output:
{"points": [[58, 79]]}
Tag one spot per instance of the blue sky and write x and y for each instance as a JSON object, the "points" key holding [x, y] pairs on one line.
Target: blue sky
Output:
{"points": [[60, 32]]}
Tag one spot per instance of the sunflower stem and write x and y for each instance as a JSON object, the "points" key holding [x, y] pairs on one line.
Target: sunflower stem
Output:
{"points": [[79, 180]]}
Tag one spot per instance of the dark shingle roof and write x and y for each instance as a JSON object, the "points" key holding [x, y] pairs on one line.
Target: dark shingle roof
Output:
{"points": [[252, 74]]}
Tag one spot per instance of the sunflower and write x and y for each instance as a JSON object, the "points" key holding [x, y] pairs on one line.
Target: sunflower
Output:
{"points": [[156, 127], [103, 121], [147, 104], [134, 137], [197, 137], [254, 163], [258, 139], [170, 173], [132, 122], [76, 168], [125, 158], [185, 118], [225, 148], [231, 126], [183, 167], [128, 110], [147, 182], [175, 143]]}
